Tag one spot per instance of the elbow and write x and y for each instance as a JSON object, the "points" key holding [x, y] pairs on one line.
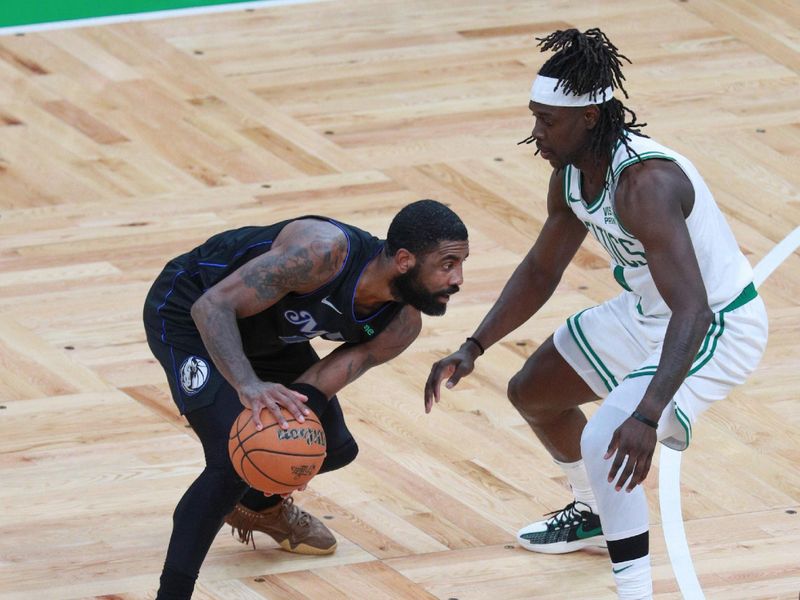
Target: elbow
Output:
{"points": [[197, 309], [703, 317], [705, 314], [201, 308]]}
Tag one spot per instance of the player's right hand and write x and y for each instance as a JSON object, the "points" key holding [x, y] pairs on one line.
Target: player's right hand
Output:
{"points": [[459, 364], [264, 394]]}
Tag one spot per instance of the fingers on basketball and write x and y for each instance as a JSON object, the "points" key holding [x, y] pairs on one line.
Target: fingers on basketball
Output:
{"points": [[275, 460]]}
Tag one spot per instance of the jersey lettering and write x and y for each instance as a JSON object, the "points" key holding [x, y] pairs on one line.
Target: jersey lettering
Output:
{"points": [[621, 249], [308, 328]]}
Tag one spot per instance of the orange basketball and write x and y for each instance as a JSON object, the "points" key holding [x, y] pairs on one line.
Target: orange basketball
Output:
{"points": [[275, 460]]}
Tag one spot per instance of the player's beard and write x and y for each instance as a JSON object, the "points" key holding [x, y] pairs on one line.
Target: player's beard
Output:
{"points": [[411, 290]]}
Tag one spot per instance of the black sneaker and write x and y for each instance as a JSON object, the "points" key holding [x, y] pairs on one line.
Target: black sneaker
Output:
{"points": [[569, 529]]}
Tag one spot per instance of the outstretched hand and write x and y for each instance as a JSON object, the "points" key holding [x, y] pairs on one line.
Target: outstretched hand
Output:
{"points": [[263, 394], [453, 368], [636, 441]]}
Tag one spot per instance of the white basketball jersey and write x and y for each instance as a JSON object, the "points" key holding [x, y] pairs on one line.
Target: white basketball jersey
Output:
{"points": [[724, 268]]}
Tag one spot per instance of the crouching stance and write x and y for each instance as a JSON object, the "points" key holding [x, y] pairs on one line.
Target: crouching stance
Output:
{"points": [[230, 322]]}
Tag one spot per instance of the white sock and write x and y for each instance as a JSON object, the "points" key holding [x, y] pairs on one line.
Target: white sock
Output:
{"points": [[579, 482], [634, 579]]}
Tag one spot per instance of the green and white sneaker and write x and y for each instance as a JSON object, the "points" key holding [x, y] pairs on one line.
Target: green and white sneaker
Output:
{"points": [[574, 527]]}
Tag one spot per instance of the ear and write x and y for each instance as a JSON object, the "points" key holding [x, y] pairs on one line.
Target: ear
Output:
{"points": [[404, 261], [591, 115]]}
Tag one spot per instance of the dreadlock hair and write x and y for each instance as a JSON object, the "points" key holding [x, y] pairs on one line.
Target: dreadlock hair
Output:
{"points": [[585, 62], [420, 226]]}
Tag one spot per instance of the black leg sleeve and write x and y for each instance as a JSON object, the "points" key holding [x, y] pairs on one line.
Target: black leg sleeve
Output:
{"points": [[200, 512]]}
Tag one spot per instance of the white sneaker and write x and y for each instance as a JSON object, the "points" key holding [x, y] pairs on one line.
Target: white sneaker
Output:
{"points": [[573, 527]]}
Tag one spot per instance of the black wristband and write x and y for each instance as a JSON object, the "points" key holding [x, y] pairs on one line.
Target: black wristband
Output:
{"points": [[640, 417], [317, 401], [478, 344]]}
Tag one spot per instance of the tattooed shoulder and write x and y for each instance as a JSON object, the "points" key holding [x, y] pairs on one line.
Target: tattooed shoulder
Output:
{"points": [[306, 255], [273, 276], [329, 253]]}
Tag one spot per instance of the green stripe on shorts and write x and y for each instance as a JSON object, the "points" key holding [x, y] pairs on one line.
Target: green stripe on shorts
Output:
{"points": [[701, 359], [685, 423], [705, 353], [575, 331]]}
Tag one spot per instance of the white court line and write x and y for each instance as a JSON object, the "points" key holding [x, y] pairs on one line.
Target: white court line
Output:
{"points": [[149, 16], [669, 476], [776, 256]]}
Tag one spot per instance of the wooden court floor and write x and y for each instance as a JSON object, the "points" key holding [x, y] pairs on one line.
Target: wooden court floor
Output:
{"points": [[124, 145]]}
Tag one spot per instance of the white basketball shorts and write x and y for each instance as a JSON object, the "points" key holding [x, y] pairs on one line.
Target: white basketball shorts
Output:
{"points": [[616, 351]]}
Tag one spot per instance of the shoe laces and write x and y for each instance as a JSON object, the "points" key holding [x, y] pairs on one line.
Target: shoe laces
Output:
{"points": [[294, 514], [563, 517]]}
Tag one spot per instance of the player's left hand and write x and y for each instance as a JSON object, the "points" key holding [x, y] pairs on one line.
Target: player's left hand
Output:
{"points": [[636, 441]]}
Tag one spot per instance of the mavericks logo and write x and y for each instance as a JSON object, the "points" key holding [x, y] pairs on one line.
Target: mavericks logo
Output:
{"points": [[193, 374]]}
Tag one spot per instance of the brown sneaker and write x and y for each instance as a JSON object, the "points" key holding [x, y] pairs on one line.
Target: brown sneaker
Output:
{"points": [[289, 525]]}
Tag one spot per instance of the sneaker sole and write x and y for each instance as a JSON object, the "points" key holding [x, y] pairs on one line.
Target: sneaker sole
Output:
{"points": [[563, 547], [306, 549]]}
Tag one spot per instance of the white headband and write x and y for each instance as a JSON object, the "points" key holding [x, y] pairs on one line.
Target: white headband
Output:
{"points": [[546, 90]]}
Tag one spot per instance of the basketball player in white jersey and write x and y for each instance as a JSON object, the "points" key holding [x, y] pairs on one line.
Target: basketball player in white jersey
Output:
{"points": [[686, 328]]}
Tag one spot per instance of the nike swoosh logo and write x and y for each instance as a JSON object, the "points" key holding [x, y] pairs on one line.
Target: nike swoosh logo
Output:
{"points": [[584, 533], [327, 302], [620, 570]]}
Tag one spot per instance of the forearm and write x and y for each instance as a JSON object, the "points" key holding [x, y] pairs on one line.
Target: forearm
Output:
{"points": [[682, 340], [347, 363], [340, 368], [523, 295], [220, 334]]}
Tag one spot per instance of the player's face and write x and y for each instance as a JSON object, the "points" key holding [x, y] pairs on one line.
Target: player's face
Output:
{"points": [[436, 276], [561, 134]]}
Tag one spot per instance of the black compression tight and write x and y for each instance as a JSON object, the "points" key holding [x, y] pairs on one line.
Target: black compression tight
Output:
{"points": [[200, 512]]}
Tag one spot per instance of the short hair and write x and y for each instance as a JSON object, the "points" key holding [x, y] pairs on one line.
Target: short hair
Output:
{"points": [[420, 226], [584, 62]]}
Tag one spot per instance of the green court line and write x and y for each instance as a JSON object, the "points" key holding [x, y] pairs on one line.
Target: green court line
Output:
{"points": [[20, 12]]}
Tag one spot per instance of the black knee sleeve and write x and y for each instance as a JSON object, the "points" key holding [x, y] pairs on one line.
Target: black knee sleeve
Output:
{"points": [[339, 457], [317, 401]]}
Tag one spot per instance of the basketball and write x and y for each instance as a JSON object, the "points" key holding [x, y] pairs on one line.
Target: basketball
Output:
{"points": [[275, 460]]}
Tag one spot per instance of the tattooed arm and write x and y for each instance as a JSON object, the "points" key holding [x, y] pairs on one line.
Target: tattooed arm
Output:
{"points": [[305, 255], [347, 363]]}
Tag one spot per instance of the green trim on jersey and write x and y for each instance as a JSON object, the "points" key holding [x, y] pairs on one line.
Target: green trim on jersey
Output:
{"points": [[567, 175], [594, 205], [602, 370], [748, 293], [619, 275], [621, 226], [641, 158]]}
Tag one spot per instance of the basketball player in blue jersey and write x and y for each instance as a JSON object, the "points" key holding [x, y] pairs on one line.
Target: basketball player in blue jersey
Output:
{"points": [[230, 323], [687, 327]]}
